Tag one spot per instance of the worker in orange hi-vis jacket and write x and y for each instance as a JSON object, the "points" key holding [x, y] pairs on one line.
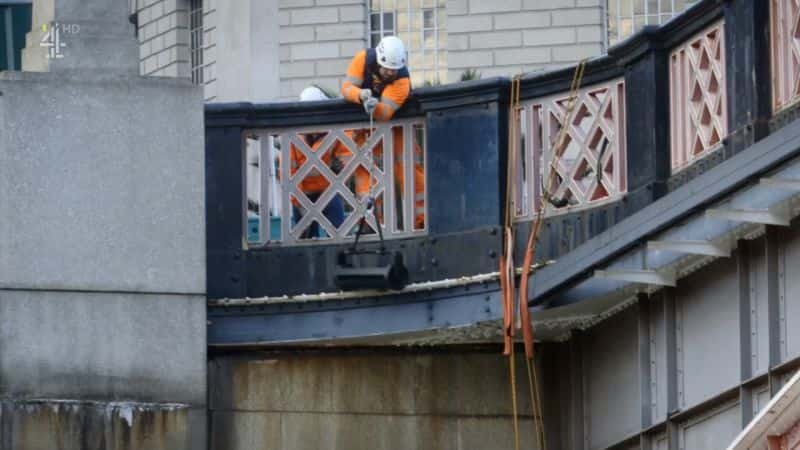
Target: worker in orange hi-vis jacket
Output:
{"points": [[379, 80]]}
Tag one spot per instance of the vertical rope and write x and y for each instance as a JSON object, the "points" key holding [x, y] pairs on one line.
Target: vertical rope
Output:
{"points": [[530, 253], [513, 376], [507, 272], [507, 266]]}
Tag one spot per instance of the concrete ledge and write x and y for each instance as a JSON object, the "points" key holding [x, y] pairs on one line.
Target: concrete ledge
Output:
{"points": [[240, 430], [107, 347], [67, 424], [470, 383]]}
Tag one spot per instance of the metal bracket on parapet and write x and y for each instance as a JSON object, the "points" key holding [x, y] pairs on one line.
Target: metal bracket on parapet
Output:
{"points": [[783, 184], [760, 216], [653, 277], [692, 247]]}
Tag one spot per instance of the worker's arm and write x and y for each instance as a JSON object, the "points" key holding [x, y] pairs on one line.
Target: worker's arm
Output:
{"points": [[354, 78], [393, 97]]}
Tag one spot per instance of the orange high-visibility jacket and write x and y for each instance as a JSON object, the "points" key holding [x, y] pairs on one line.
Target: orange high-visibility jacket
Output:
{"points": [[363, 74], [314, 182], [419, 174]]}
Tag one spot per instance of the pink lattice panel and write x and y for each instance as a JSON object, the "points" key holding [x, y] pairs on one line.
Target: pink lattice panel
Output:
{"points": [[698, 110], [591, 166], [785, 32]]}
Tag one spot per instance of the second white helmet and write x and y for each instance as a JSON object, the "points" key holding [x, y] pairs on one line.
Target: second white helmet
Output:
{"points": [[391, 53]]}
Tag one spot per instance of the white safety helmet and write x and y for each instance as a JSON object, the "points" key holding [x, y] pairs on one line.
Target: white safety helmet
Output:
{"points": [[391, 53], [311, 94]]}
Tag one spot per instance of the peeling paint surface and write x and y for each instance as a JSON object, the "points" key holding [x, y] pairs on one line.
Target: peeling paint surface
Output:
{"points": [[46, 424], [371, 401]]}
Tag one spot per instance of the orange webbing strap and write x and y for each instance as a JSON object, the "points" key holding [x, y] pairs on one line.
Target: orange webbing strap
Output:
{"points": [[530, 246], [530, 254], [507, 267]]}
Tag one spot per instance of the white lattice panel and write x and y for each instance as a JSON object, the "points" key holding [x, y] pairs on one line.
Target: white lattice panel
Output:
{"points": [[698, 110], [318, 186], [785, 33], [591, 167]]}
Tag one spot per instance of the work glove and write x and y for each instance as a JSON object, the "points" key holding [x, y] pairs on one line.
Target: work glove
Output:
{"points": [[364, 94], [370, 105]]}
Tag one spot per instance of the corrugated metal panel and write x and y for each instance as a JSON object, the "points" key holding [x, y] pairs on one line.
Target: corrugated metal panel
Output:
{"points": [[715, 430], [761, 398], [613, 380], [759, 317], [791, 246], [709, 314], [659, 357]]}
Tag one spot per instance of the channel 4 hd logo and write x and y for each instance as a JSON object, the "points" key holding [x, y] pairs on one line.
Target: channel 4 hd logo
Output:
{"points": [[53, 35]]}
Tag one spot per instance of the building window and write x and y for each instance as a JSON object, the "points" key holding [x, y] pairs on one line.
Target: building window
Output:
{"points": [[625, 17], [381, 24], [196, 39], [15, 22], [421, 26]]}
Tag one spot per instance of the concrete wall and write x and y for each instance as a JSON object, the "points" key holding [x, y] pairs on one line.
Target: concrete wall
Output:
{"points": [[96, 370], [102, 246], [102, 260], [506, 37], [366, 400]]}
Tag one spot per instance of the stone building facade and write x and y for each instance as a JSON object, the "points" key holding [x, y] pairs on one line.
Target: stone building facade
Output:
{"points": [[269, 50]]}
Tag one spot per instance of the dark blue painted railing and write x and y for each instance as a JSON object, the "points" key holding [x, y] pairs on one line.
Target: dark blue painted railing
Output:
{"points": [[467, 135]]}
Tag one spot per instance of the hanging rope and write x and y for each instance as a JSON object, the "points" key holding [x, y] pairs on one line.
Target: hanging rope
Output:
{"points": [[530, 247], [511, 302], [507, 268], [370, 200]]}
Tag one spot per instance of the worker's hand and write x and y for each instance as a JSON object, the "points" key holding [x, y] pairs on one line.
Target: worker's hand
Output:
{"points": [[364, 95], [370, 105]]}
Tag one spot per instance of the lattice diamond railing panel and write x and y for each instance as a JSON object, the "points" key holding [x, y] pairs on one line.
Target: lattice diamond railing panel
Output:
{"points": [[592, 165], [314, 184], [698, 110], [785, 33]]}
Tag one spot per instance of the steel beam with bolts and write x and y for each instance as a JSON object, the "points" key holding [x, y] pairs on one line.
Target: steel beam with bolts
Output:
{"points": [[654, 277], [781, 183], [762, 216], [692, 247]]}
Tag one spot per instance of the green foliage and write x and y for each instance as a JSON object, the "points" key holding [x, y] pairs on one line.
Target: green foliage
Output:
{"points": [[434, 82], [470, 74]]}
